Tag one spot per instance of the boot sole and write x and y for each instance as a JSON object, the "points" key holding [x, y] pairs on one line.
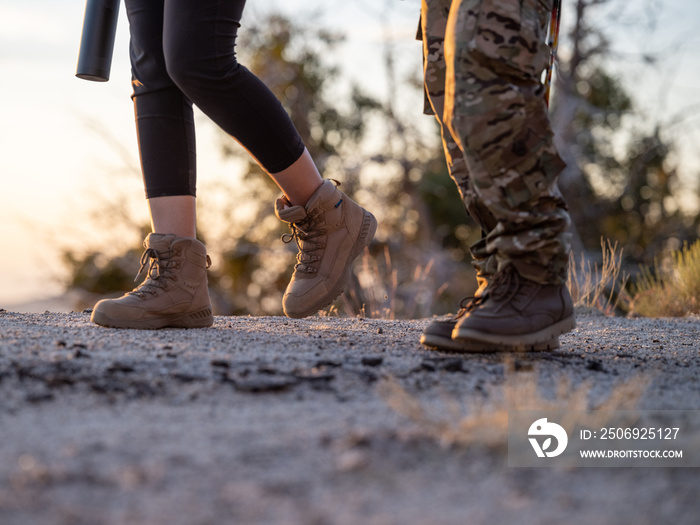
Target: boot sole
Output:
{"points": [[200, 319], [453, 345], [369, 228], [522, 342]]}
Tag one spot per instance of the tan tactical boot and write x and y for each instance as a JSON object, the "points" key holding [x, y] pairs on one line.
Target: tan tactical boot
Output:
{"points": [[330, 231], [174, 293], [517, 314]]}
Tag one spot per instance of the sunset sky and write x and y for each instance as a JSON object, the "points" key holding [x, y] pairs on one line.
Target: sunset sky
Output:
{"points": [[51, 156]]}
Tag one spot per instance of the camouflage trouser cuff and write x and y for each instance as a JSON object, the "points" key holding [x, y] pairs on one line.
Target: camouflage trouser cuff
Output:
{"points": [[547, 265]]}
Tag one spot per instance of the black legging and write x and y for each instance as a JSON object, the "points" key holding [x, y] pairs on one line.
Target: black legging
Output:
{"points": [[182, 52]]}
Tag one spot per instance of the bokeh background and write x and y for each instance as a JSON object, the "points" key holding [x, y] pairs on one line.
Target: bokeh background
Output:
{"points": [[626, 108]]}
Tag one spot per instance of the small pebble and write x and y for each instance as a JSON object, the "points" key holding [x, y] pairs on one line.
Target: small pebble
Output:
{"points": [[372, 360]]}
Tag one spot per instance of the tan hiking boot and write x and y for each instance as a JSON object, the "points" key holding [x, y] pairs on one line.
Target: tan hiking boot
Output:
{"points": [[174, 293], [517, 314], [330, 231]]}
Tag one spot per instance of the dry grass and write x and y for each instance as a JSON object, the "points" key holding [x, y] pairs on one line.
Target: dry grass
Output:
{"points": [[598, 287], [486, 422], [670, 291], [384, 291]]}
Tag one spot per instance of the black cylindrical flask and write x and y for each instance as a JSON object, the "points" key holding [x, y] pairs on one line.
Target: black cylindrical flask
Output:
{"points": [[97, 41]]}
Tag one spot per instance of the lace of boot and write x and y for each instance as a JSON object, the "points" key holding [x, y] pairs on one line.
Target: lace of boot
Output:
{"points": [[160, 270], [306, 234]]}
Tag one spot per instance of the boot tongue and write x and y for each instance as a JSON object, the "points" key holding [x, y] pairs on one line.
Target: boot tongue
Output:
{"points": [[287, 213], [158, 241]]}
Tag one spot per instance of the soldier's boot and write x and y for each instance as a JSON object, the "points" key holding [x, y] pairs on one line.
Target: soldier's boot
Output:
{"points": [[330, 231], [438, 334], [174, 293], [516, 313]]}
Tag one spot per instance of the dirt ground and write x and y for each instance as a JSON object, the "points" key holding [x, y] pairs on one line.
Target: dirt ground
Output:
{"points": [[272, 420]]}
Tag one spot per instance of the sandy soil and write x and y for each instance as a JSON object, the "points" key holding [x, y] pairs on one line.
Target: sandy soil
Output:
{"points": [[269, 420]]}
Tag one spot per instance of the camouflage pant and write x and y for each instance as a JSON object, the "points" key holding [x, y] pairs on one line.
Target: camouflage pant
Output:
{"points": [[483, 61]]}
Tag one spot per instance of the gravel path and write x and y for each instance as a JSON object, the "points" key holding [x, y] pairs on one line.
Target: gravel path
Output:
{"points": [[273, 420]]}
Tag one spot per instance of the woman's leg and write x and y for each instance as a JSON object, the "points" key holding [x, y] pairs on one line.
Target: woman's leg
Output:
{"points": [[299, 181], [165, 125], [174, 292], [175, 214], [199, 43], [330, 229]]}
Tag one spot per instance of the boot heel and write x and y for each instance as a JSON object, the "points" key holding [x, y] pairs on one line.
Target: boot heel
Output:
{"points": [[199, 319], [367, 232]]}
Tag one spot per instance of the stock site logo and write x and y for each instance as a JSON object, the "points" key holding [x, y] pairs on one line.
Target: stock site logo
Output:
{"points": [[541, 428]]}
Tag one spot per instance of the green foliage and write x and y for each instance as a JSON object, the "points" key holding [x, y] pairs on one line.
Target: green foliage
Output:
{"points": [[451, 226], [291, 58], [94, 273], [670, 290], [622, 181]]}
